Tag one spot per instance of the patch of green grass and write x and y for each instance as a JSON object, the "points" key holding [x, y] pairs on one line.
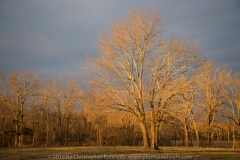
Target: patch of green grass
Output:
{"points": [[44, 153]]}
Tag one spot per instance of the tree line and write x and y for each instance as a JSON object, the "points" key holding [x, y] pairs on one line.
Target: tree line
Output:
{"points": [[144, 89]]}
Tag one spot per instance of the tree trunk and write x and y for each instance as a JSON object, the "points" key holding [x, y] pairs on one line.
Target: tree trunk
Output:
{"points": [[33, 139], [218, 137], [61, 135], [61, 130], [134, 136], [186, 135], [20, 140], [175, 137], [154, 131], [197, 137], [129, 133], [145, 135], [234, 137], [16, 135], [154, 134], [228, 136], [47, 129], [209, 135], [99, 137], [21, 127], [196, 132], [67, 130], [123, 135]]}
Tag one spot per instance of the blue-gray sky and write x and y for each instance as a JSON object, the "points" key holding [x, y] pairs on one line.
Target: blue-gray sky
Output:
{"points": [[53, 36]]}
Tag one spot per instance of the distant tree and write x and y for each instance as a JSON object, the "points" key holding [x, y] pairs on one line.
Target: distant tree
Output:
{"points": [[57, 92], [232, 93], [71, 99], [19, 88], [65, 99], [212, 81], [45, 97], [34, 116], [183, 110]]}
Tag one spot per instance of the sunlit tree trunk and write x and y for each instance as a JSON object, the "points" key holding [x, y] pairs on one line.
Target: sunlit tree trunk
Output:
{"points": [[186, 135], [196, 132], [210, 132], [145, 135]]}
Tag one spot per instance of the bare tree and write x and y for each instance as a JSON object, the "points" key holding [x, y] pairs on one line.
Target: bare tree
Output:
{"points": [[46, 105], [57, 91], [19, 88], [182, 111], [34, 118], [171, 70], [232, 93], [120, 69], [136, 68], [212, 81], [71, 99]]}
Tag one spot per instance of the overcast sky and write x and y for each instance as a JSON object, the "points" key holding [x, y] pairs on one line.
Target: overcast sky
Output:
{"points": [[53, 36]]}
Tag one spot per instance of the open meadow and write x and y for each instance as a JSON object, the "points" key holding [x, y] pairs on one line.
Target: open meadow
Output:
{"points": [[125, 153]]}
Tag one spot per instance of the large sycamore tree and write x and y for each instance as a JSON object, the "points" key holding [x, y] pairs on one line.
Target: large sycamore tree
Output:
{"points": [[140, 72]]}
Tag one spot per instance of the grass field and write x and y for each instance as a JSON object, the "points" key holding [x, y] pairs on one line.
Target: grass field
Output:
{"points": [[125, 153]]}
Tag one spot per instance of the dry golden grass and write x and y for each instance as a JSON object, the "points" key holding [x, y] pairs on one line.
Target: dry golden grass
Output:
{"points": [[43, 153]]}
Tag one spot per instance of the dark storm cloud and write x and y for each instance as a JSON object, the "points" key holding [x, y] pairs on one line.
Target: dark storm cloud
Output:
{"points": [[212, 24], [54, 36]]}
